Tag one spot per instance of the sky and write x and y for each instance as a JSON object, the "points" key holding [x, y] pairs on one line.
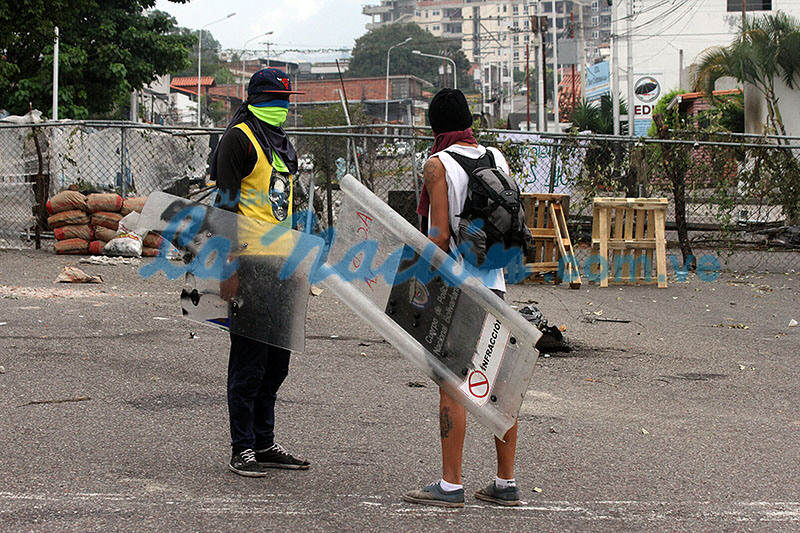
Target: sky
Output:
{"points": [[295, 23]]}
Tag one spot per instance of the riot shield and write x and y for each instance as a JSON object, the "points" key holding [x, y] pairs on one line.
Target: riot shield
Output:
{"points": [[431, 308], [233, 268]]}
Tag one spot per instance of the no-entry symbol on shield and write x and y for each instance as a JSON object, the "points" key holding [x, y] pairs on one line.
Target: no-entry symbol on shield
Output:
{"points": [[478, 384]]}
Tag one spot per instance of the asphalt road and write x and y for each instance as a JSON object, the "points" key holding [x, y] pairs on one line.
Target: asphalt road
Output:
{"points": [[681, 419]]}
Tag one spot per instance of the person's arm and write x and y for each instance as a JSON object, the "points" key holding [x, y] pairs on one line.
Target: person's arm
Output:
{"points": [[436, 183], [235, 160]]}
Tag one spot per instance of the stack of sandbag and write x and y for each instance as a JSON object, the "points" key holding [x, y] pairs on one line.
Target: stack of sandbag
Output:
{"points": [[105, 212], [85, 224], [70, 222]]}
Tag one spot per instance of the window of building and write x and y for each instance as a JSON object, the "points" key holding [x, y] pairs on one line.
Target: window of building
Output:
{"points": [[526, 24], [595, 34], [417, 13], [525, 9], [516, 39], [516, 55], [435, 27], [594, 5], [595, 20], [735, 6], [505, 8], [436, 13], [515, 9]]}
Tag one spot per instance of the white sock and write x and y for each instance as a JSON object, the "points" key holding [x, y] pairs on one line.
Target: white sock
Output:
{"points": [[501, 483], [449, 487]]}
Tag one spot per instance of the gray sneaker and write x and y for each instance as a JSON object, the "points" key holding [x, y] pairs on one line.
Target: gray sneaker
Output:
{"points": [[434, 495], [508, 496]]}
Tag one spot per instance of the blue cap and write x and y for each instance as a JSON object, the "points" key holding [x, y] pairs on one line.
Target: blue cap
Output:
{"points": [[271, 80]]}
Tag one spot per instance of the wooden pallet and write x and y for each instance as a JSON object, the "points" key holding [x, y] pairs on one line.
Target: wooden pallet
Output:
{"points": [[545, 216], [626, 232]]}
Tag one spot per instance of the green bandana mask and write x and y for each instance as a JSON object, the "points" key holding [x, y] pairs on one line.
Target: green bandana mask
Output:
{"points": [[274, 116]]}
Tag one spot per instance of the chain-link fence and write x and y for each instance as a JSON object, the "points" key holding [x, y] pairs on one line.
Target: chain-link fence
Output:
{"points": [[737, 197]]}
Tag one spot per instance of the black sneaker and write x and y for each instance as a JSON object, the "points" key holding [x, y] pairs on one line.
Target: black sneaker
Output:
{"points": [[276, 456], [245, 464]]}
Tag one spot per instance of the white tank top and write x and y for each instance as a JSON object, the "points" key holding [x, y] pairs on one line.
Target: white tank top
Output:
{"points": [[457, 181]]}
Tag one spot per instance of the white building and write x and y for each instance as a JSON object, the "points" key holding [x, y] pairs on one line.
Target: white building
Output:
{"points": [[668, 37]]}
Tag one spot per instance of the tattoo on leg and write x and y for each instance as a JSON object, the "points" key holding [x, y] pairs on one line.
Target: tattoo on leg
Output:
{"points": [[445, 424]]}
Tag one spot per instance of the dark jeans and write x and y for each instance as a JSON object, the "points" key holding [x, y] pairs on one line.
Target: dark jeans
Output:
{"points": [[255, 372]]}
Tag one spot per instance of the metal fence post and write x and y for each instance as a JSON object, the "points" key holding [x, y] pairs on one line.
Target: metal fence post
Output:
{"points": [[122, 149], [553, 165], [328, 181], [413, 155]]}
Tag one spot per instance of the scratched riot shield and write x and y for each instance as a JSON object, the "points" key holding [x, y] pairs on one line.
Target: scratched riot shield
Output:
{"points": [[433, 309], [233, 269]]}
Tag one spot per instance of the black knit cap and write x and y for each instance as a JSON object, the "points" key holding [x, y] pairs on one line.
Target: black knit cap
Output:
{"points": [[448, 111]]}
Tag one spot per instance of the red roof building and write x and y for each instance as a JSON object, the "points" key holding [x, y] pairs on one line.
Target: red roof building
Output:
{"points": [[188, 84], [694, 103]]}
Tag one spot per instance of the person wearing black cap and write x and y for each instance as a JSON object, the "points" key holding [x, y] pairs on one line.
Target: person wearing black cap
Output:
{"points": [[253, 167], [442, 199]]}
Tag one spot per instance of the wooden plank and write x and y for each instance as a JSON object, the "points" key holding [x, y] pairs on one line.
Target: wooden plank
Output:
{"points": [[639, 236], [529, 204], [543, 233], [661, 249], [628, 224], [548, 266], [603, 233], [650, 234], [620, 244], [544, 197]]}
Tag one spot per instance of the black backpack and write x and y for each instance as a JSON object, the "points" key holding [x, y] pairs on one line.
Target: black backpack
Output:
{"points": [[494, 199]]}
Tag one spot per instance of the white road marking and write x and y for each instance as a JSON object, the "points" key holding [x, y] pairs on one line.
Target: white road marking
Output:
{"points": [[282, 504]]}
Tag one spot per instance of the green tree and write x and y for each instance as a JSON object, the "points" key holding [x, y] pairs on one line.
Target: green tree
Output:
{"points": [[765, 49], [670, 115], [369, 55], [107, 49], [209, 54], [597, 118]]}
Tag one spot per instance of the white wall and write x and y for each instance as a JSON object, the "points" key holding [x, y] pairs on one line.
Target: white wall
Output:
{"points": [[756, 109], [694, 26]]}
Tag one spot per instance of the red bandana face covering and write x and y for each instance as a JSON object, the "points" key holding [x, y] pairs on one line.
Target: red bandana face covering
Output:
{"points": [[443, 140]]}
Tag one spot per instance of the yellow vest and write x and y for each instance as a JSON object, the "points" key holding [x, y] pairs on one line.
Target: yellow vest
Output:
{"points": [[256, 205]]}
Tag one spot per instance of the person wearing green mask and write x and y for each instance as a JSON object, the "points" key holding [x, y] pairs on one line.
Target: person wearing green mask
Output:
{"points": [[253, 167]]}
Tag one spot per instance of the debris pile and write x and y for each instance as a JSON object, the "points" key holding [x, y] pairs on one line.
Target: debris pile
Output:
{"points": [[552, 339]]}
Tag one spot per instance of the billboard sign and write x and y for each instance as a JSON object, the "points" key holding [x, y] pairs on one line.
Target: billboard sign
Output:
{"points": [[646, 91], [598, 77]]}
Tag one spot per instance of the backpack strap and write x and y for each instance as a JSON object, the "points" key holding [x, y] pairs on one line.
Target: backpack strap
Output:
{"points": [[469, 164]]}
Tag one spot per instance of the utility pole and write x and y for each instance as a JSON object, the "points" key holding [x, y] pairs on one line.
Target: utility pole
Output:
{"points": [[541, 70], [528, 84], [555, 65], [55, 76], [614, 70], [582, 51], [572, 36], [631, 103]]}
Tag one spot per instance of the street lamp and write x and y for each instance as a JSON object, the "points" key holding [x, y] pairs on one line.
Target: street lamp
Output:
{"points": [[455, 75], [386, 109], [199, 58], [244, 49]]}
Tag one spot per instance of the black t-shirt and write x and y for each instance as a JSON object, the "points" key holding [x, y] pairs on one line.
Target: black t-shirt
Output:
{"points": [[236, 159]]}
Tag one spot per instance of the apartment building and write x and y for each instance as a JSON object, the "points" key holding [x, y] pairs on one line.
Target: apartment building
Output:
{"points": [[388, 12]]}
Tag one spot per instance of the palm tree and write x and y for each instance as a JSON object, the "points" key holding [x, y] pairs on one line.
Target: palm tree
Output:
{"points": [[765, 48], [589, 116]]}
